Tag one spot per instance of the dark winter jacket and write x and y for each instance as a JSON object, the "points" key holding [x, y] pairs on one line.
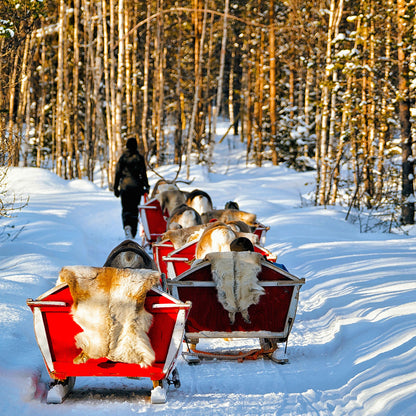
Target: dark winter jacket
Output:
{"points": [[131, 172]]}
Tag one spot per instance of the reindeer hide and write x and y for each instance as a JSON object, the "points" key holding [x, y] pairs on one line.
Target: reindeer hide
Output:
{"points": [[235, 275], [170, 199], [215, 238], [109, 307], [183, 236]]}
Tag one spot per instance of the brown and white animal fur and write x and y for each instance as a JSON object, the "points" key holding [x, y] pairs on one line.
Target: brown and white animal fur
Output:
{"points": [[163, 185], [228, 215], [200, 201], [170, 199], [235, 275], [182, 236], [240, 226], [217, 238], [109, 307], [183, 217]]}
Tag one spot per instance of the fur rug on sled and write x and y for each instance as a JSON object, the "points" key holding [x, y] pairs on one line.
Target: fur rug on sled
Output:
{"points": [[109, 307], [235, 274]]}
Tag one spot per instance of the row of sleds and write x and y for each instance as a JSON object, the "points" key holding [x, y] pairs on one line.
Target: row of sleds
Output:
{"points": [[135, 315]]}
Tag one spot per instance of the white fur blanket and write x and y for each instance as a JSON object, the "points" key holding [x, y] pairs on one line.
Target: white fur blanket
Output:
{"points": [[235, 275], [109, 307]]}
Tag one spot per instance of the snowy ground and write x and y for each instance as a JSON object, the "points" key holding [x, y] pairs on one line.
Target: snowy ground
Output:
{"points": [[353, 345]]}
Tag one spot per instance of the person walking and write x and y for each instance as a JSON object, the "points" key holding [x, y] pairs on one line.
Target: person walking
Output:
{"points": [[130, 183]]}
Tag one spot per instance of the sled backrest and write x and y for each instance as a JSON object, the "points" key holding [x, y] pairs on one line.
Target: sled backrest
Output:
{"points": [[152, 219]]}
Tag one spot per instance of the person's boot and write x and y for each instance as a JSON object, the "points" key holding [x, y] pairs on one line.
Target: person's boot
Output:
{"points": [[127, 232]]}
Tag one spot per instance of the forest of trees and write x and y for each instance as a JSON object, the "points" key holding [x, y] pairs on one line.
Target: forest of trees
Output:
{"points": [[319, 84]]}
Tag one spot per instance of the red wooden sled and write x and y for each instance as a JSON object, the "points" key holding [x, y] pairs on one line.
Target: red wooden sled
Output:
{"points": [[173, 262], [55, 330], [271, 319], [152, 219]]}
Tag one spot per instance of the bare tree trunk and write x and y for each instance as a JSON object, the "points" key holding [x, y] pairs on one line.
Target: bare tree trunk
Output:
{"points": [[258, 106], [59, 129], [272, 97], [135, 86], [120, 79], [196, 95], [207, 100], [158, 85], [217, 107], [67, 145], [307, 101], [384, 106], [324, 161], [22, 101], [408, 205], [98, 118], [43, 83], [180, 116], [89, 64], [109, 106], [111, 111], [75, 81], [231, 88], [128, 69], [146, 82]]}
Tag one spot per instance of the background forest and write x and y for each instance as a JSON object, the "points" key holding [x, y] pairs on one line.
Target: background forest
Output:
{"points": [[324, 84]]}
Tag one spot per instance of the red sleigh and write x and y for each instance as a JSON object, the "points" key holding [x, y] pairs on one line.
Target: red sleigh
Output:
{"points": [[55, 330], [271, 320]]}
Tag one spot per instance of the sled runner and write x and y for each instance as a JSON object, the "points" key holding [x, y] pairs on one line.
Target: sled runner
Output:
{"points": [[55, 330], [270, 319]]}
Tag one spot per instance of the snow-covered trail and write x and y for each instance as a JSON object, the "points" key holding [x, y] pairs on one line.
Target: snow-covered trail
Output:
{"points": [[352, 346]]}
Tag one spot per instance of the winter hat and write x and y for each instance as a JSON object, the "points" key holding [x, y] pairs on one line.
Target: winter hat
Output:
{"points": [[131, 144]]}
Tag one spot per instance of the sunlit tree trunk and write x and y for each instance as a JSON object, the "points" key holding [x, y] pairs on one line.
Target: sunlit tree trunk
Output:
{"points": [[231, 88], [272, 98], [258, 105], [128, 69], [59, 126], [41, 112], [207, 100], [217, 107], [108, 99], [23, 102], [111, 111], [146, 83], [408, 205], [327, 98], [120, 79], [384, 128], [196, 94]]}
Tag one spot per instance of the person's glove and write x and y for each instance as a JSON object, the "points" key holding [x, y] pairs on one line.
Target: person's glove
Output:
{"points": [[116, 193]]}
